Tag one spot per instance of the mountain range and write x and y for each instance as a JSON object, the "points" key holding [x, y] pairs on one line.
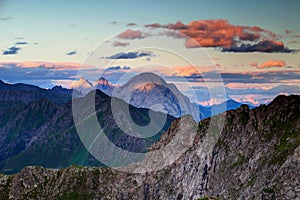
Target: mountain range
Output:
{"points": [[208, 111], [148, 90], [255, 155], [24, 93]]}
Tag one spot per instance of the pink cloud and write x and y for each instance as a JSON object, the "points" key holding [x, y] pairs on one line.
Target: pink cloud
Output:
{"points": [[46, 65], [131, 35], [254, 99], [185, 71]]}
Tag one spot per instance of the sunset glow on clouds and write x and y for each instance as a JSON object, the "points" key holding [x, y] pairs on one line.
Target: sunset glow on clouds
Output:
{"points": [[272, 63], [131, 35], [220, 33], [46, 65], [242, 86], [254, 99], [253, 53], [183, 71]]}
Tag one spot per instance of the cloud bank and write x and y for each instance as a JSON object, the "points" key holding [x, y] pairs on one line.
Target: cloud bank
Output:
{"points": [[267, 46], [44, 65], [115, 68], [229, 38]]}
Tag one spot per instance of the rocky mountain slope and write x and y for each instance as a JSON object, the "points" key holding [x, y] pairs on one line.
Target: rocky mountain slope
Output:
{"points": [[43, 133], [256, 156]]}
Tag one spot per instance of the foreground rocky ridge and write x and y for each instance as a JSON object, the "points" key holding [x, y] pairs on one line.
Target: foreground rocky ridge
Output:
{"points": [[256, 156]]}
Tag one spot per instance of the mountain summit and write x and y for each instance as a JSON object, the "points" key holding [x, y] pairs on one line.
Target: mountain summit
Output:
{"points": [[82, 85], [104, 85], [148, 90]]}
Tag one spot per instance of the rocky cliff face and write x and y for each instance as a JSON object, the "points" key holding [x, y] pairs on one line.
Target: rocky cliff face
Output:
{"points": [[256, 156]]}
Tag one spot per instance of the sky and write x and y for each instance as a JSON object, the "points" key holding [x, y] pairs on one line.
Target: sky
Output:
{"points": [[253, 45]]}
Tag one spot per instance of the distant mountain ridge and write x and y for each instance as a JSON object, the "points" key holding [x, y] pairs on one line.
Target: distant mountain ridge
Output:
{"points": [[26, 93], [42, 132], [148, 90], [61, 90], [222, 107]]}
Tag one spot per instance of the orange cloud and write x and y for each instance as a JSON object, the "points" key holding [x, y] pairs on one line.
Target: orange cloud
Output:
{"points": [[220, 33], [183, 70], [176, 70], [272, 63], [186, 70]]}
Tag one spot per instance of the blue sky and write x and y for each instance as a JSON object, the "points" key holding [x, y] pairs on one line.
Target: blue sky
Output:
{"points": [[63, 26], [68, 31]]}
